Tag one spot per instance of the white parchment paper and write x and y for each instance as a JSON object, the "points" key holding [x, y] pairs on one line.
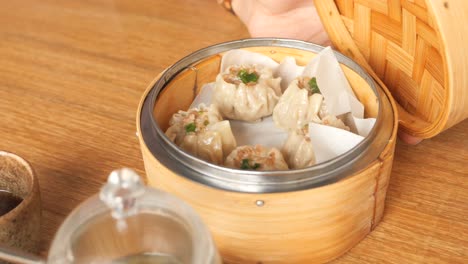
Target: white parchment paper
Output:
{"points": [[328, 141]]}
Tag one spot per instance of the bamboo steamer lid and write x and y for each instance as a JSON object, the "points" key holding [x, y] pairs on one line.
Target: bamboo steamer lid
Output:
{"points": [[416, 48]]}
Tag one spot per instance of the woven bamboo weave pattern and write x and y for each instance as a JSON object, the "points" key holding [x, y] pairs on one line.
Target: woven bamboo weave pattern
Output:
{"points": [[401, 43]]}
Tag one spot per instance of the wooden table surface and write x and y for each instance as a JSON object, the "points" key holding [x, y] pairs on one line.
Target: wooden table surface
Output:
{"points": [[72, 74]]}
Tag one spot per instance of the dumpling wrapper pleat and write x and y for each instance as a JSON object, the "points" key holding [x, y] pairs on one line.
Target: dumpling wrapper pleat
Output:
{"points": [[240, 101], [227, 136], [298, 151]]}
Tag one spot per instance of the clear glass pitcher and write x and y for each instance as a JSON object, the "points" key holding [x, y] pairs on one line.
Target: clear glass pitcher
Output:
{"points": [[128, 222]]}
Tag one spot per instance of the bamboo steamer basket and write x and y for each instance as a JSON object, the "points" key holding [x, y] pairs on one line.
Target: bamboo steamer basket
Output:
{"points": [[416, 47], [311, 215]]}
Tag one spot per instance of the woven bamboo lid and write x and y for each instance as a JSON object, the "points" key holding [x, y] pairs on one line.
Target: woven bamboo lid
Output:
{"points": [[416, 47]]}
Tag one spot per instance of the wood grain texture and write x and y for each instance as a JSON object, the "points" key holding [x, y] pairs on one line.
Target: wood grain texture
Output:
{"points": [[72, 74]]}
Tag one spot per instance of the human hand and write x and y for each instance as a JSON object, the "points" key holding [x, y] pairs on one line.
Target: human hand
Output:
{"points": [[297, 19]]}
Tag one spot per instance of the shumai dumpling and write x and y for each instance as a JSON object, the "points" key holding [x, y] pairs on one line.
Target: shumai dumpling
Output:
{"points": [[203, 133], [256, 158], [301, 104], [246, 93], [298, 150], [298, 106]]}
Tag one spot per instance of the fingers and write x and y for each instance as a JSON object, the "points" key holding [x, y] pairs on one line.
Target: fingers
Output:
{"points": [[408, 139], [262, 20], [275, 7], [244, 9]]}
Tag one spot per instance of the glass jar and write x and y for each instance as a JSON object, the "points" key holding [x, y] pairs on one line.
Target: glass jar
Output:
{"points": [[130, 223]]}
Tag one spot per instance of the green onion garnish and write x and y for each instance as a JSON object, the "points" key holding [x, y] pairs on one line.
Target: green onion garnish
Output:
{"points": [[247, 77], [246, 166], [190, 128], [313, 85]]}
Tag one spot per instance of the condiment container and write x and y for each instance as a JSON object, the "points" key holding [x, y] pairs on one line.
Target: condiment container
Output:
{"points": [[20, 203]]}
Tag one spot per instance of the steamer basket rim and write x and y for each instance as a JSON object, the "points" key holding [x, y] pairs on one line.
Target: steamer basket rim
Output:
{"points": [[171, 156]]}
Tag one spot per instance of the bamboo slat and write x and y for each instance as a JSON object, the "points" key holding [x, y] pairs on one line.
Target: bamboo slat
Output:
{"points": [[415, 47]]}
